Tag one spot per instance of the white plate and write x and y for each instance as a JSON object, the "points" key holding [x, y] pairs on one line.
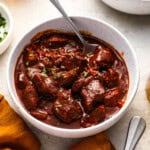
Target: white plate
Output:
{"points": [[139, 7]]}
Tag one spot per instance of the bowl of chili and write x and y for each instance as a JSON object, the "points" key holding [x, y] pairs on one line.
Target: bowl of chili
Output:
{"points": [[65, 93]]}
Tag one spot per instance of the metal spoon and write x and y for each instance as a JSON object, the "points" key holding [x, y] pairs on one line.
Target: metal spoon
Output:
{"points": [[136, 128], [87, 47]]}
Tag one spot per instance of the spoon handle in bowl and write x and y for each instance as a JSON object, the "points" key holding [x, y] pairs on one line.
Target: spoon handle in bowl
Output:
{"points": [[136, 128], [57, 4]]}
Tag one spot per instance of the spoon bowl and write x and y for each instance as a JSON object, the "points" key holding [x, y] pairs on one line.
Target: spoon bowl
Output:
{"points": [[135, 131]]}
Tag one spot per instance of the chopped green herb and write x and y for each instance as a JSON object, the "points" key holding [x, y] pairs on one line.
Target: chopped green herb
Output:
{"points": [[43, 102], [3, 32], [53, 71], [44, 72], [76, 116], [3, 35], [2, 21], [57, 123], [63, 75], [59, 75], [61, 88], [58, 106], [27, 63], [30, 54], [73, 43], [55, 77], [85, 74]]}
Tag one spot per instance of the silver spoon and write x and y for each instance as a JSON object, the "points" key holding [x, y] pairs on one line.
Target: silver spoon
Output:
{"points": [[136, 128], [87, 47]]}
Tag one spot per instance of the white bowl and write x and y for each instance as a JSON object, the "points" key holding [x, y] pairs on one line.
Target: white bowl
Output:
{"points": [[99, 29], [139, 7], [9, 27]]}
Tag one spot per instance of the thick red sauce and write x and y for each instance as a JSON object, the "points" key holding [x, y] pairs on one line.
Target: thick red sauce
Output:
{"points": [[62, 87]]}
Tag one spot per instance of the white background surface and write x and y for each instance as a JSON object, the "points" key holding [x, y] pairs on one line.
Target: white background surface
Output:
{"points": [[28, 13]]}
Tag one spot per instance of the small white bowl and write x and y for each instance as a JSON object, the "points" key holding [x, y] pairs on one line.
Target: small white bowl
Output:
{"points": [[9, 27], [137, 7], [99, 29]]}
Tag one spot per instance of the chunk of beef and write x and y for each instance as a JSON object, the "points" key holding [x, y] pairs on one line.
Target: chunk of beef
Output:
{"points": [[30, 97], [21, 76], [92, 93], [30, 57], [73, 61], [66, 108], [65, 78], [22, 80], [45, 85], [97, 116], [55, 42], [77, 85], [110, 78], [39, 114], [80, 82], [112, 97], [103, 58]]}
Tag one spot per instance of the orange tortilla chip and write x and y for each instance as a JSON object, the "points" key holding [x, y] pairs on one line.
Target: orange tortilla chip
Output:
{"points": [[96, 142]]}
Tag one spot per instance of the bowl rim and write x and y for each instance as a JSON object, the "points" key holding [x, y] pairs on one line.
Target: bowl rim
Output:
{"points": [[131, 11], [9, 18], [73, 133]]}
